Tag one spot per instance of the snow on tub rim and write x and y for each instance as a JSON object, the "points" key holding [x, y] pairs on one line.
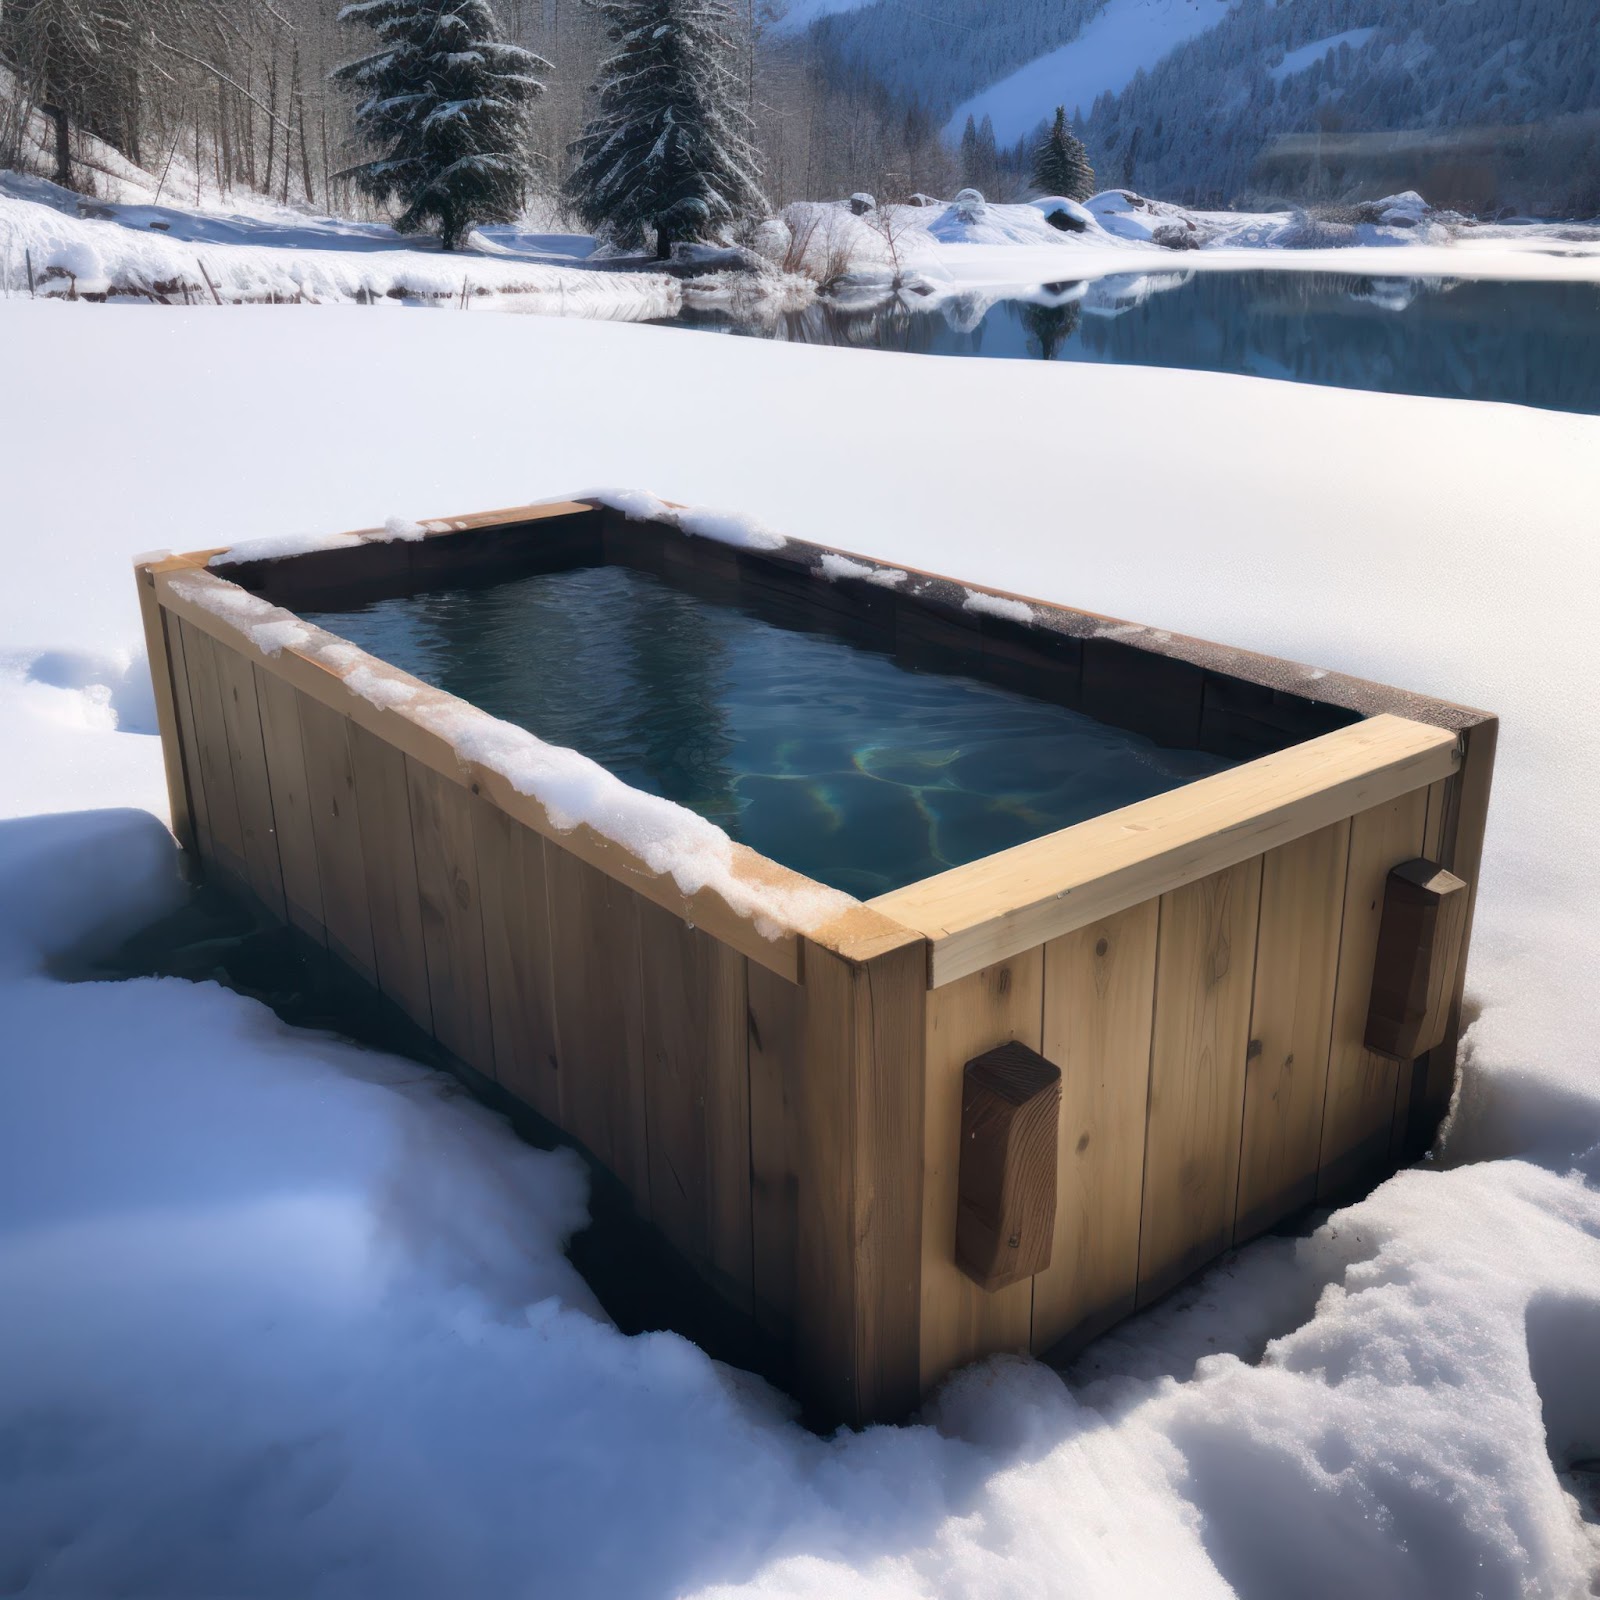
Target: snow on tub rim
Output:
{"points": [[997, 1109]]}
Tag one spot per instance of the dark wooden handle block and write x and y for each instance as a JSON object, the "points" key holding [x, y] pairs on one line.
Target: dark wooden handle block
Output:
{"points": [[1010, 1114], [1419, 955]]}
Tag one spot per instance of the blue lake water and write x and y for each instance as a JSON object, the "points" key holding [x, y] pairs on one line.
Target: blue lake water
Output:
{"points": [[831, 758], [1535, 344]]}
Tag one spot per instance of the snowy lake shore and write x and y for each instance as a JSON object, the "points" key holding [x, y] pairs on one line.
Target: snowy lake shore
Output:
{"points": [[56, 244], [295, 1317]]}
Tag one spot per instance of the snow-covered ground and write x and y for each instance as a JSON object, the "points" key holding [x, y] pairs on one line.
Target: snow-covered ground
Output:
{"points": [[1114, 45], [938, 250], [283, 1317], [64, 246], [59, 245]]}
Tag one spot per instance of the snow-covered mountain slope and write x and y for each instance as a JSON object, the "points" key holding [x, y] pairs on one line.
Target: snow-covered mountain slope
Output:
{"points": [[798, 15], [1126, 37], [1339, 98]]}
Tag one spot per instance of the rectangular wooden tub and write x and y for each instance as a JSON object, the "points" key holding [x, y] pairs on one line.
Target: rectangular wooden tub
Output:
{"points": [[792, 1106]]}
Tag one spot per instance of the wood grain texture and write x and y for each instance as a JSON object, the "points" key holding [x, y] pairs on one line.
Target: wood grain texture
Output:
{"points": [[1411, 1082], [336, 831], [594, 929], [860, 1214], [291, 805], [960, 1320], [1099, 1006], [216, 766], [1459, 846], [1358, 1114], [188, 736], [389, 865], [777, 1052], [1291, 1027], [1020, 898], [158, 654], [516, 944], [452, 917], [697, 1097], [1419, 951], [1204, 977], [1010, 1123], [241, 719]]}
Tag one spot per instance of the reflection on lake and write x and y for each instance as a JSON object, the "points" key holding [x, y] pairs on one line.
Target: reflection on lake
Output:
{"points": [[1533, 344]]}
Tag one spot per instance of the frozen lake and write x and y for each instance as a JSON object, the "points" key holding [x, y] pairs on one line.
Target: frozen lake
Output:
{"points": [[1534, 344]]}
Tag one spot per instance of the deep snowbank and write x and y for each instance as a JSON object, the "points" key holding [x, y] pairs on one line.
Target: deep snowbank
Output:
{"points": [[296, 1316], [58, 245]]}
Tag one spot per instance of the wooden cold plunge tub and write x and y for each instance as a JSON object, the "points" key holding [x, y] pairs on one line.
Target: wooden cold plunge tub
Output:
{"points": [[1217, 1006]]}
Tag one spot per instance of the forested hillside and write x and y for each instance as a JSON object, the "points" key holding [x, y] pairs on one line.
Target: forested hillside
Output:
{"points": [[1250, 109], [1285, 98]]}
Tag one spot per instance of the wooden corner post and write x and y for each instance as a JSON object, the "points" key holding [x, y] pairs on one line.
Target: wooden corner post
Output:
{"points": [[159, 652], [859, 1245], [1460, 849]]}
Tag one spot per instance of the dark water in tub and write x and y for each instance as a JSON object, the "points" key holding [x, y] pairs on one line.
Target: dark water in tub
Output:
{"points": [[828, 757]]}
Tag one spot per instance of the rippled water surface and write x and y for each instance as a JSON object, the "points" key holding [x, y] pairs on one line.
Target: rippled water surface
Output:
{"points": [[1535, 344], [828, 757]]}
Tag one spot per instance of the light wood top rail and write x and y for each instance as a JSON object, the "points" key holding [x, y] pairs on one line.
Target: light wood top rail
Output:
{"points": [[996, 908]]}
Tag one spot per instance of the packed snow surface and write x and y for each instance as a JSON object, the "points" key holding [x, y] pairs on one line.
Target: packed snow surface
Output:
{"points": [[76, 248], [1110, 50], [283, 1317]]}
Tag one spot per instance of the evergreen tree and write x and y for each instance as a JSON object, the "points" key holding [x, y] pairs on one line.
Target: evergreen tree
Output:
{"points": [[448, 101], [1061, 164], [671, 147]]}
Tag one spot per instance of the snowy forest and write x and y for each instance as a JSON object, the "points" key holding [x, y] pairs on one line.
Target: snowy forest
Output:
{"points": [[1485, 107]]}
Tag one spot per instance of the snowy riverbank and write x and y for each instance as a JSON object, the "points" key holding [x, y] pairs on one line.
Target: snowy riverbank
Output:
{"points": [[294, 1319], [58, 245]]}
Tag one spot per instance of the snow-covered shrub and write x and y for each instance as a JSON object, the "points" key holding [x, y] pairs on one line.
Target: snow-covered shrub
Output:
{"points": [[772, 240], [969, 205]]}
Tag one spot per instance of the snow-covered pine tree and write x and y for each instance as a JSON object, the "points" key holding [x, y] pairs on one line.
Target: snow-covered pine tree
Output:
{"points": [[448, 103], [671, 146], [1061, 164]]}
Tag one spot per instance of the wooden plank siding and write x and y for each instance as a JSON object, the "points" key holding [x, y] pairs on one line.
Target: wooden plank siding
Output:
{"points": [[859, 1237], [599, 1018], [452, 916], [247, 758], [1099, 1008], [283, 745], [1291, 1027], [336, 833], [777, 1055], [211, 749], [389, 870], [515, 900], [696, 1050], [1205, 972], [188, 735], [159, 653], [961, 1321], [1359, 1110]]}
